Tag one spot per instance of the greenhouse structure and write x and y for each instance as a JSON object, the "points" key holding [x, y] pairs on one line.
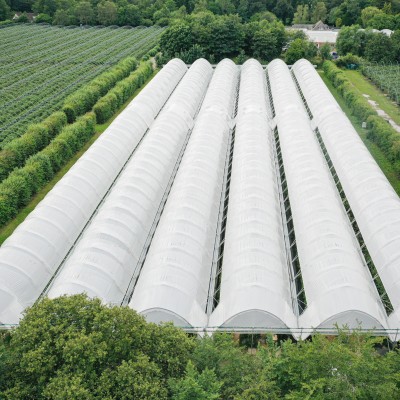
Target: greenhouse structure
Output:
{"points": [[236, 198]]}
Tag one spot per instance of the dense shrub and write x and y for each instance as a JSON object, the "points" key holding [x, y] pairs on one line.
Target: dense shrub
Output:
{"points": [[358, 104], [15, 153], [386, 137], [379, 130], [83, 99], [17, 190], [116, 97]]}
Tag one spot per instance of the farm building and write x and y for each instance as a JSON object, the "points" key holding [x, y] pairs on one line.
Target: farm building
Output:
{"points": [[237, 199]]}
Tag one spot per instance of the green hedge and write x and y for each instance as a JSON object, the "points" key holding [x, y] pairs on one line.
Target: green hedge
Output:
{"points": [[17, 190], [379, 130], [83, 99], [387, 139], [106, 107], [15, 153]]}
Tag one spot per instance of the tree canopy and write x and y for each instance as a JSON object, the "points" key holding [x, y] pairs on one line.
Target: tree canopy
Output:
{"points": [[76, 348]]}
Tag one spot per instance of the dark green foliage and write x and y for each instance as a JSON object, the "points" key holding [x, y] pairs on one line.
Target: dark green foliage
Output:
{"points": [[83, 100], [218, 36], [76, 348], [379, 48], [386, 137], [5, 12], [298, 49], [106, 107], [15, 153], [21, 184], [379, 130]]}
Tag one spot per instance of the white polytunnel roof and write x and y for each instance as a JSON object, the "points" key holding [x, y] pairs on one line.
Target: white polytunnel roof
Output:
{"points": [[336, 282], [372, 199], [105, 258], [29, 258], [212, 201], [174, 282], [255, 288]]}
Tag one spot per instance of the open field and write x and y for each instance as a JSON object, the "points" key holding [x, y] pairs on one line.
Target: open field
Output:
{"points": [[366, 87], [386, 77], [41, 65], [8, 229]]}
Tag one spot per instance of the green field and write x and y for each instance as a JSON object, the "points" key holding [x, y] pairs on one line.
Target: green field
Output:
{"points": [[41, 65], [386, 77]]}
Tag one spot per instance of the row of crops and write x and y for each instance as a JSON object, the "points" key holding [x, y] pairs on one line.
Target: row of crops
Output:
{"points": [[386, 77], [41, 65]]}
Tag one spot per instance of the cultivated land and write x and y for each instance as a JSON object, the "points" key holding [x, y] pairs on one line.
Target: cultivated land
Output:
{"points": [[386, 77], [41, 65], [8, 229]]}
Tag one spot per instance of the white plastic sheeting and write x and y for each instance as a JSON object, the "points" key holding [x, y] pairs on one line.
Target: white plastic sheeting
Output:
{"points": [[29, 258], [174, 282], [105, 258], [373, 201], [255, 290], [337, 285]]}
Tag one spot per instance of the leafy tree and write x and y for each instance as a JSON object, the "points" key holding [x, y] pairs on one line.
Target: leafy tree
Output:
{"points": [[298, 49], [319, 12], [382, 21], [268, 41], [232, 365], [368, 13], [380, 49], [351, 40], [43, 18], [84, 12], [176, 39], [45, 6], [227, 36], [73, 347], [348, 367], [302, 15], [243, 9], [325, 52], [129, 14], [62, 17], [23, 18], [107, 13], [5, 11], [195, 385], [395, 39], [283, 10], [21, 5]]}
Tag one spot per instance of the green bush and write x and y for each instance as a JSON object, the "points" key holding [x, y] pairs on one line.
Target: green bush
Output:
{"points": [[349, 58], [83, 99], [106, 107], [387, 139], [379, 130], [15, 153], [21, 184]]}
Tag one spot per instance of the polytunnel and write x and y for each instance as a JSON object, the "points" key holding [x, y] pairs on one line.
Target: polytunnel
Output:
{"points": [[337, 285], [372, 199], [30, 257], [174, 282], [220, 200], [105, 258], [255, 289]]}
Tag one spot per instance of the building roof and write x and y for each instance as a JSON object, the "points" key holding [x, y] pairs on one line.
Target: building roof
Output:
{"points": [[322, 36]]}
